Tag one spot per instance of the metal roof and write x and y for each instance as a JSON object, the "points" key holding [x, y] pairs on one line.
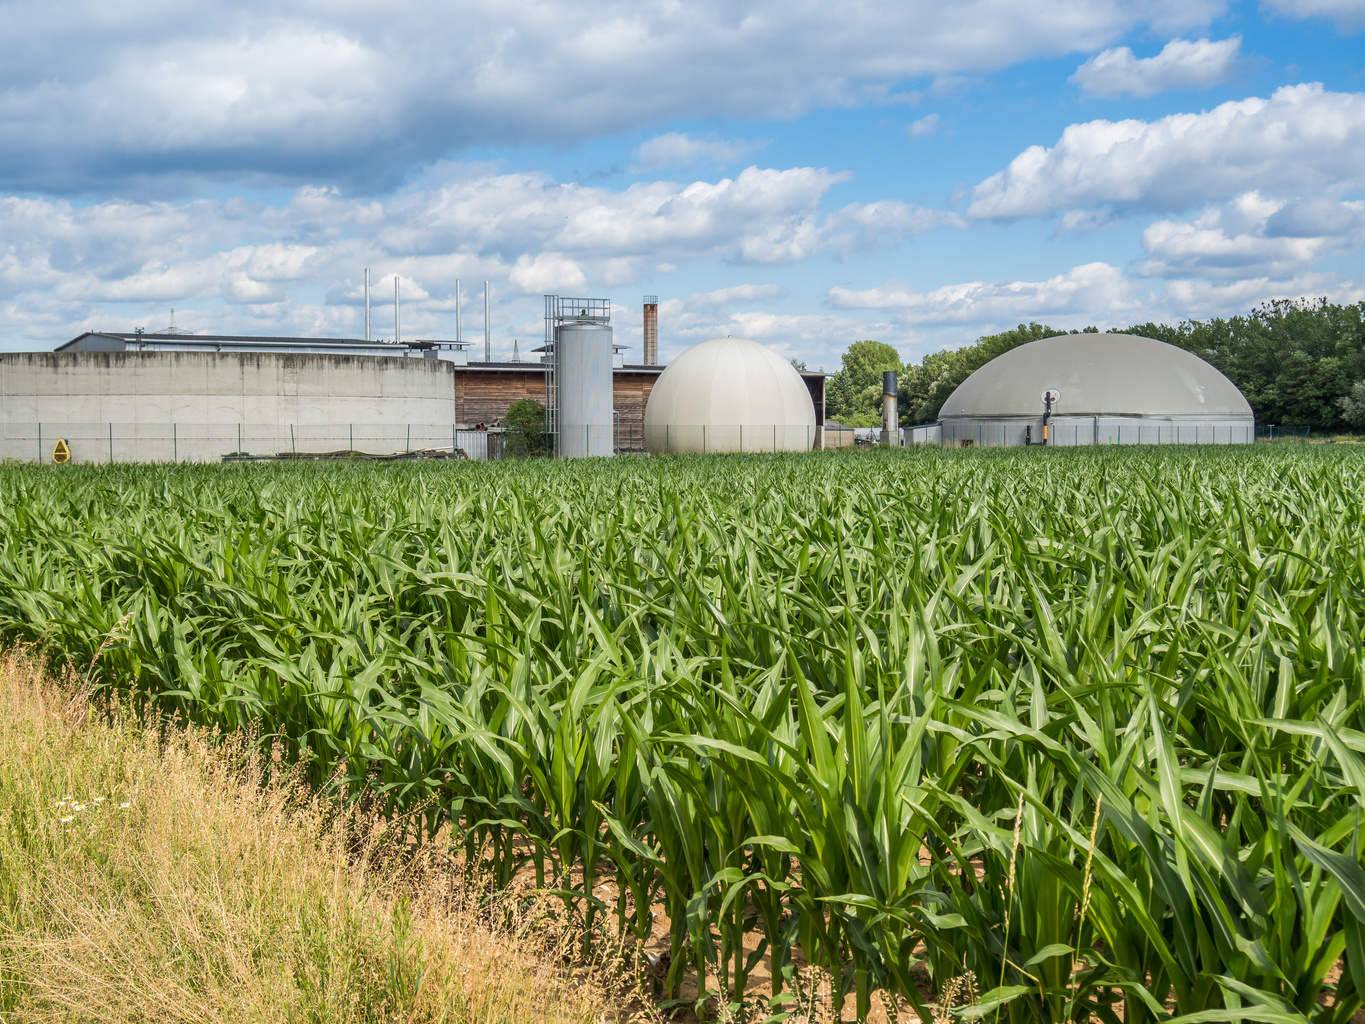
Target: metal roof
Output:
{"points": [[119, 341], [1097, 375]]}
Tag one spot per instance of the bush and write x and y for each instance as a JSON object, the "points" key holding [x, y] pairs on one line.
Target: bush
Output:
{"points": [[525, 423]]}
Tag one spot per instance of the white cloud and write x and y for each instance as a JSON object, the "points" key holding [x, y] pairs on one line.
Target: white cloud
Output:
{"points": [[817, 337], [678, 149], [1215, 298], [1349, 14], [547, 273], [723, 297], [525, 232], [1302, 140], [1090, 289], [1252, 237], [861, 226], [1181, 64], [923, 127], [294, 91]]}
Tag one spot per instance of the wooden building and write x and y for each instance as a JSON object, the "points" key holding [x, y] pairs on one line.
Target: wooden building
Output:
{"points": [[483, 391]]}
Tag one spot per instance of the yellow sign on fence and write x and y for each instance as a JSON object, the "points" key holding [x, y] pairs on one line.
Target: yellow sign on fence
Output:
{"points": [[61, 452]]}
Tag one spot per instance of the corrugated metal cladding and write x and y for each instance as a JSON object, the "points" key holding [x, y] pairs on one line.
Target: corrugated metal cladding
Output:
{"points": [[1070, 431], [583, 371]]}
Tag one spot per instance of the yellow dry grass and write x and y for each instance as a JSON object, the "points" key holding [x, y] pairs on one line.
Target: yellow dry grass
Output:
{"points": [[152, 873]]}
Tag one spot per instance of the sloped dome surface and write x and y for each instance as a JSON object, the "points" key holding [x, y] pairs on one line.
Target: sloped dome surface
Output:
{"points": [[1097, 375], [745, 395]]}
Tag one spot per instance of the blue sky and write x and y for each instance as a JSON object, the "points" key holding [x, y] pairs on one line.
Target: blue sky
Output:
{"points": [[801, 173]]}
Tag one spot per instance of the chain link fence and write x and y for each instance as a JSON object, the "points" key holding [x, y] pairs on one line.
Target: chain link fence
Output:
{"points": [[199, 442], [1277, 432]]}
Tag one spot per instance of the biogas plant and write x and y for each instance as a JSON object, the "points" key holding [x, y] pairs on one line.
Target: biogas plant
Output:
{"points": [[171, 395]]}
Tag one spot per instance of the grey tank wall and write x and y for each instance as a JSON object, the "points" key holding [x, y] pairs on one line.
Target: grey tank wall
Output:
{"points": [[1071, 431], [197, 406], [583, 371]]}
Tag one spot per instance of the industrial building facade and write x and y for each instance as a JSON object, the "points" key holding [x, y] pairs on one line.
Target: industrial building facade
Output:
{"points": [[158, 397]]}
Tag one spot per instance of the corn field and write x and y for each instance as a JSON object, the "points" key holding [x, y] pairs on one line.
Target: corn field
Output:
{"points": [[1084, 726]]}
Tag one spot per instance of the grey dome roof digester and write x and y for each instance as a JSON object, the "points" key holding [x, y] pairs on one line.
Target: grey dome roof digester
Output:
{"points": [[1097, 375]]}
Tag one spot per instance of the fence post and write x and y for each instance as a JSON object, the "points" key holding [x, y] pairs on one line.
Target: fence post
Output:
{"points": [[239, 439], [409, 448], [40, 444], [352, 426], [292, 446], [111, 444], [175, 443]]}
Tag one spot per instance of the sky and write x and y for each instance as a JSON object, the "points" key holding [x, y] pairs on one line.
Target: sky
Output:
{"points": [[802, 173]]}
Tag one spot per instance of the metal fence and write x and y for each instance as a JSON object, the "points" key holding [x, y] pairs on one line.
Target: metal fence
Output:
{"points": [[711, 438], [200, 442], [1276, 432]]}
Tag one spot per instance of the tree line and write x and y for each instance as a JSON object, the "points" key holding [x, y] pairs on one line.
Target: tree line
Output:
{"points": [[1298, 362]]}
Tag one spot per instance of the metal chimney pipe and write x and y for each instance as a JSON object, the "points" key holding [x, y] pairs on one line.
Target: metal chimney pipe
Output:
{"points": [[397, 326], [651, 330], [487, 330], [891, 433], [458, 335], [367, 303]]}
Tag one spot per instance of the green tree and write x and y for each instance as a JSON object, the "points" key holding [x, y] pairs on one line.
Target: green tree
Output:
{"points": [[525, 423], [853, 395], [1293, 360], [1352, 405]]}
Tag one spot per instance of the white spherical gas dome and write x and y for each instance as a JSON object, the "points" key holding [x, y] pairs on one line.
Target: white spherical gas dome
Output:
{"points": [[729, 395]]}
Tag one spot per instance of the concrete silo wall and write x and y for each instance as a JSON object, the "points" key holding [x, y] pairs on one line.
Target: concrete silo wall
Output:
{"points": [[197, 406]]}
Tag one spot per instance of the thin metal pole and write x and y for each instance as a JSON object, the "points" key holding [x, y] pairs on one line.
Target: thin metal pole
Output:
{"points": [[239, 439], [40, 442], [397, 328], [111, 443], [353, 438], [175, 444], [409, 437], [487, 329], [292, 446], [367, 303], [459, 336]]}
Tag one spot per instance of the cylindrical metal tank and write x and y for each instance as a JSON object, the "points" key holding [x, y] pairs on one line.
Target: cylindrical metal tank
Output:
{"points": [[583, 381], [890, 418]]}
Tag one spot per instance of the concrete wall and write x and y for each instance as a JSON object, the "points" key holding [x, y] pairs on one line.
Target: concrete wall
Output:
{"points": [[191, 406]]}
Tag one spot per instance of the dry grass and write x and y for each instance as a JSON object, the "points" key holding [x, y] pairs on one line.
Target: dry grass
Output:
{"points": [[152, 874]]}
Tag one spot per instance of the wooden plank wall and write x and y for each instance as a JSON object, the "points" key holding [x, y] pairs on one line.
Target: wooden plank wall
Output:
{"points": [[630, 392], [484, 395]]}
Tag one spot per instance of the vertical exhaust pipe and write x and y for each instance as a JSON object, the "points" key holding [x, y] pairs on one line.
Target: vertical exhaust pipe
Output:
{"points": [[487, 330], [367, 303], [891, 433], [651, 330]]}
